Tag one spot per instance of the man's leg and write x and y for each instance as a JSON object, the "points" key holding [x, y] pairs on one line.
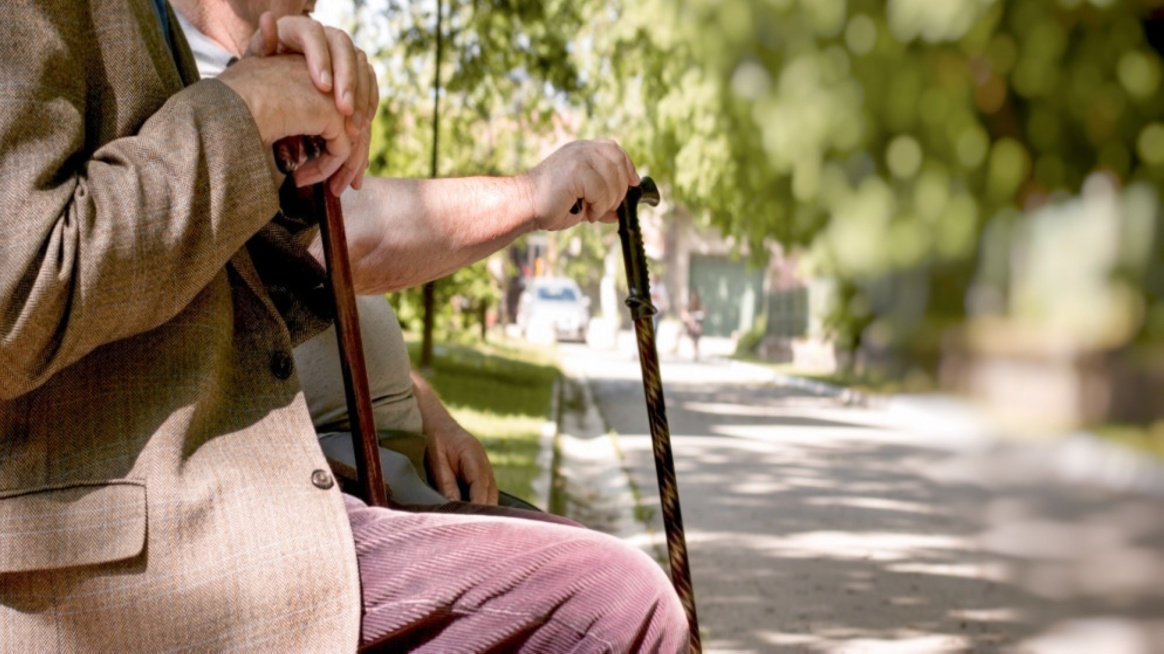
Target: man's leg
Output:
{"points": [[452, 583]]}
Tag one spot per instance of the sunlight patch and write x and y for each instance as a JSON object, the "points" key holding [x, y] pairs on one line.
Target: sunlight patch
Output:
{"points": [[872, 503], [997, 572]]}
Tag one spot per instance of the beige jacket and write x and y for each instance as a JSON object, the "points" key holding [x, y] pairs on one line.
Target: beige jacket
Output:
{"points": [[161, 487]]}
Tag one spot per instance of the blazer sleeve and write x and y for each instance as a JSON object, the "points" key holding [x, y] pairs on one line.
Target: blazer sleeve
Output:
{"points": [[108, 235]]}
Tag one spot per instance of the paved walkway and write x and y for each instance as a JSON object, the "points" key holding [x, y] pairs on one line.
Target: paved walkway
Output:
{"points": [[819, 526]]}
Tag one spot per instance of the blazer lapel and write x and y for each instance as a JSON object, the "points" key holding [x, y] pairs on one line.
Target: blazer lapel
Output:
{"points": [[185, 68], [160, 53], [183, 56]]}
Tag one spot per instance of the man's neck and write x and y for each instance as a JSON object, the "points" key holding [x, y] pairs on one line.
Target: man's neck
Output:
{"points": [[218, 20]]}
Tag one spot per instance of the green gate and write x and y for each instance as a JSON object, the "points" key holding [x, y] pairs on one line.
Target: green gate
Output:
{"points": [[731, 294]]}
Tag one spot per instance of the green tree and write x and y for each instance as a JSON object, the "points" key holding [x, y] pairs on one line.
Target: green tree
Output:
{"points": [[879, 135], [505, 71]]}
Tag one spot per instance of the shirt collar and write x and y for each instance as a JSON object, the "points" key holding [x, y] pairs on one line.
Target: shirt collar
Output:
{"points": [[211, 57]]}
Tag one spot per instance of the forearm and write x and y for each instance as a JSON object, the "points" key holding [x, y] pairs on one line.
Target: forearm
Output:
{"points": [[104, 244], [405, 232], [455, 458], [433, 414]]}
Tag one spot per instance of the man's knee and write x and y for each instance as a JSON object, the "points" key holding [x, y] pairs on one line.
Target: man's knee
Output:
{"points": [[629, 595]]}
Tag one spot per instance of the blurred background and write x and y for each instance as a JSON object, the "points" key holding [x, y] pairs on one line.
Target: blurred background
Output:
{"points": [[947, 211], [902, 195]]}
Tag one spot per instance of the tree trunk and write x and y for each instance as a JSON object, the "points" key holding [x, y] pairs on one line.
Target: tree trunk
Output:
{"points": [[430, 288]]}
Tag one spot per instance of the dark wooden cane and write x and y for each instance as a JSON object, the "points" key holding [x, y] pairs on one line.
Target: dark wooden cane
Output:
{"points": [[642, 313], [290, 154]]}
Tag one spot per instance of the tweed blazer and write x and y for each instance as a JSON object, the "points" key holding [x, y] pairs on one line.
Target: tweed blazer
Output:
{"points": [[161, 486]]}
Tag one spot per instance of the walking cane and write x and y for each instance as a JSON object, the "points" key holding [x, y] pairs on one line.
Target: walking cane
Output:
{"points": [[642, 313], [290, 153]]}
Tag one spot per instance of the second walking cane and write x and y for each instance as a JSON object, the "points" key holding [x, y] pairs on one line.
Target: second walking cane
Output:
{"points": [[642, 313]]}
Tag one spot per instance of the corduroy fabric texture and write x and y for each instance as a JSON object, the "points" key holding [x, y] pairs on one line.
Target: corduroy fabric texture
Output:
{"points": [[456, 583]]}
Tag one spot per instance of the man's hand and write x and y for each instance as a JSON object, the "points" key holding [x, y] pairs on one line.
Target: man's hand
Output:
{"points": [[284, 102], [596, 172], [332, 59], [338, 68], [455, 457]]}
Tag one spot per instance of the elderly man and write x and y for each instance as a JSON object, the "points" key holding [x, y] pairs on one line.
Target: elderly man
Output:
{"points": [[409, 415], [161, 485]]}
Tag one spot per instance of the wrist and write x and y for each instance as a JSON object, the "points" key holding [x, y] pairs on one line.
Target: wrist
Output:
{"points": [[529, 218], [253, 105]]}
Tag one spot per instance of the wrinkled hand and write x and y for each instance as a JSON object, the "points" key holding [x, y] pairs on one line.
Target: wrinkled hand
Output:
{"points": [[597, 172], [337, 68], [456, 458], [284, 102]]}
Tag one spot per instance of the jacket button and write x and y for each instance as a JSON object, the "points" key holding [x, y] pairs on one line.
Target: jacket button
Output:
{"points": [[322, 480], [282, 365]]}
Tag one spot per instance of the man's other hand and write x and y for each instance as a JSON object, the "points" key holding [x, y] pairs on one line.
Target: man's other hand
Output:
{"points": [[596, 172], [455, 458]]}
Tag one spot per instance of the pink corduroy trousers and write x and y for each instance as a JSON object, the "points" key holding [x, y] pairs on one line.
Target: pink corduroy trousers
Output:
{"points": [[441, 582]]}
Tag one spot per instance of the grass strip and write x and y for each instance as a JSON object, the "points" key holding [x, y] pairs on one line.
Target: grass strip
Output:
{"points": [[501, 393]]}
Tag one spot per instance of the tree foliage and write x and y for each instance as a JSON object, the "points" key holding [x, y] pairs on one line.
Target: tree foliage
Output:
{"points": [[505, 66], [890, 140], [881, 136]]}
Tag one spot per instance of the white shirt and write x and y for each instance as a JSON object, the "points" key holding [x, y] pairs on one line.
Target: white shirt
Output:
{"points": [[211, 57]]}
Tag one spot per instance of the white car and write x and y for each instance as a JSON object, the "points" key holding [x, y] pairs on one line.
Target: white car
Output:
{"points": [[553, 307]]}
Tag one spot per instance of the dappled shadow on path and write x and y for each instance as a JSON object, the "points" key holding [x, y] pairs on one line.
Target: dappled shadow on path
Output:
{"points": [[815, 527]]}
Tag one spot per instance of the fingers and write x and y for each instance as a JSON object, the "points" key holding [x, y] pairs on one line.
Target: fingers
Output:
{"points": [[366, 95], [334, 61], [358, 89], [595, 194], [481, 493], [299, 34], [596, 172], [351, 172], [341, 164], [337, 67], [604, 179], [615, 173], [355, 81], [632, 173], [443, 476], [482, 486], [620, 162], [456, 459], [265, 41], [344, 64], [372, 102], [471, 465], [336, 161]]}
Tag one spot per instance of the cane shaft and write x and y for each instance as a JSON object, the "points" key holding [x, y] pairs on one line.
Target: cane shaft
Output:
{"points": [[351, 348], [642, 312], [665, 472], [290, 153]]}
